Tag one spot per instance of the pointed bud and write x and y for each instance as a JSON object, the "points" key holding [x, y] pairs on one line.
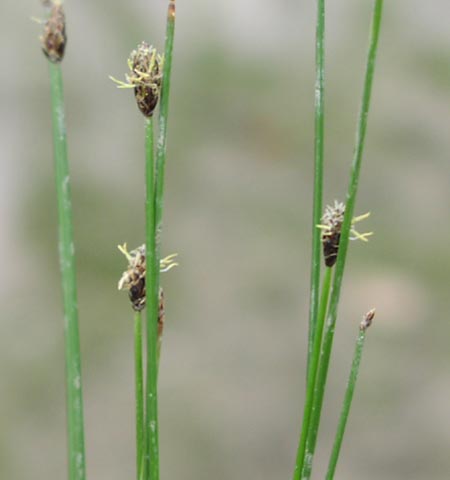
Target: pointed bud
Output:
{"points": [[367, 320]]}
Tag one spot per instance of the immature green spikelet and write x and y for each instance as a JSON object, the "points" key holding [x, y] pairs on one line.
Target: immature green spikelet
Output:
{"points": [[54, 38], [331, 227], [145, 77]]}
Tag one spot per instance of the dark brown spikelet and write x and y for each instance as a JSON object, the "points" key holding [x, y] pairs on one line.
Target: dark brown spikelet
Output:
{"points": [[54, 37], [133, 279], [137, 294], [146, 75], [331, 231], [330, 248], [146, 100]]}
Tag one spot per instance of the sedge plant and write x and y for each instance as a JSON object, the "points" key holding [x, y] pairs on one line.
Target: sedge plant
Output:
{"points": [[149, 77], [53, 42], [338, 240]]}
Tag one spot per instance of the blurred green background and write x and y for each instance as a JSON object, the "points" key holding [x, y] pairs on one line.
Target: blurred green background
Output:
{"points": [[238, 212]]}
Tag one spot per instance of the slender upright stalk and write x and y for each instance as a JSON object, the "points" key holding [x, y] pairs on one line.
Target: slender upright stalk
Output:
{"points": [[161, 149], [318, 174], [345, 233], [151, 281], [312, 373], [68, 277], [139, 392], [347, 400]]}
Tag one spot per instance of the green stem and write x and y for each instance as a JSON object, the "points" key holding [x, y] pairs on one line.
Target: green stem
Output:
{"points": [[312, 373], [161, 149], [154, 209], [139, 391], [345, 233], [68, 277], [347, 404], [151, 282], [318, 174]]}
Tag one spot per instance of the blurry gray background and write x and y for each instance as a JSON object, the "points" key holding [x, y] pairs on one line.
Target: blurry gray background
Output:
{"points": [[238, 212]]}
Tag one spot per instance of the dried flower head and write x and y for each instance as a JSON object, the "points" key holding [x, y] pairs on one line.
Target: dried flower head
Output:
{"points": [[54, 37], [145, 77], [133, 279], [331, 231], [366, 322]]}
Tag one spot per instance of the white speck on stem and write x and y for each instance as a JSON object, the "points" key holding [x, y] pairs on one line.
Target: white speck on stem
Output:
{"points": [[308, 461], [329, 322], [77, 382], [79, 464], [152, 426], [317, 93], [61, 123], [66, 192], [162, 134]]}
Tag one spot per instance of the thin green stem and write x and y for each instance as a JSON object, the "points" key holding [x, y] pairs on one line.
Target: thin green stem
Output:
{"points": [[154, 209], [345, 234], [346, 404], [313, 372], [151, 282], [139, 392], [318, 174], [161, 149], [68, 277]]}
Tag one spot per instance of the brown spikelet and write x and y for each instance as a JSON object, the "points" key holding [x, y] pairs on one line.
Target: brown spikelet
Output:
{"points": [[54, 37], [146, 99], [146, 76], [133, 279], [331, 227], [332, 220]]}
